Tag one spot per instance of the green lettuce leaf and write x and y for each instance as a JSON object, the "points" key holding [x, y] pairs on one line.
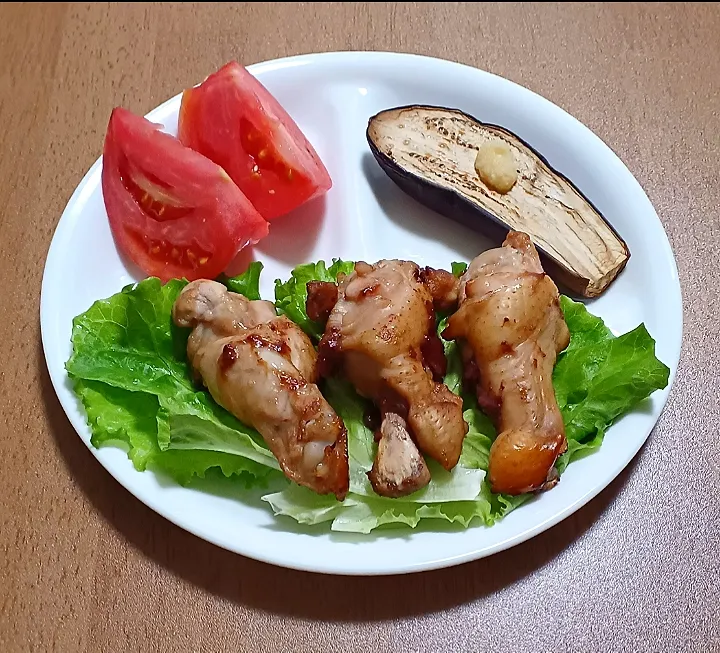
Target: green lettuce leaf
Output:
{"points": [[600, 377], [121, 418], [370, 513], [303, 505], [585, 328], [290, 296], [126, 419], [185, 466], [247, 283]]}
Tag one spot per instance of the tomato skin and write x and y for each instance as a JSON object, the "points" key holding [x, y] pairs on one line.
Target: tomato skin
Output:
{"points": [[172, 211], [234, 120]]}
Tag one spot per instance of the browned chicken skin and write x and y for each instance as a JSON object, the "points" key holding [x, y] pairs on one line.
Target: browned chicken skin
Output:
{"points": [[322, 297], [512, 328], [443, 287], [262, 368], [381, 333]]}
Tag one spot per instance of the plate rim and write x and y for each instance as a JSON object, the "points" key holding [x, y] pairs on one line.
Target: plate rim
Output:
{"points": [[155, 503]]}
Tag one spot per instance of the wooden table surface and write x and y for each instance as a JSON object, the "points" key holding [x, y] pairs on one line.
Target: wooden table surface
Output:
{"points": [[86, 567]]}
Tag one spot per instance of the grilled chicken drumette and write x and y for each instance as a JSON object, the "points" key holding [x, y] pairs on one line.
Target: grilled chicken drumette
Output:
{"points": [[381, 334], [511, 327], [262, 368]]}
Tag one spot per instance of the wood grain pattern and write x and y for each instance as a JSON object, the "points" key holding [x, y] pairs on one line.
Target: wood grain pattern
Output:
{"points": [[86, 567]]}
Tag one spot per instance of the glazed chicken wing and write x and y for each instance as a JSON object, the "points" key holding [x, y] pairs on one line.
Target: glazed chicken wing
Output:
{"points": [[262, 368], [512, 328], [381, 333]]}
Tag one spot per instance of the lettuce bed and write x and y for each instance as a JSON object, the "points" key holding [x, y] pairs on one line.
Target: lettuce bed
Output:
{"points": [[129, 369]]}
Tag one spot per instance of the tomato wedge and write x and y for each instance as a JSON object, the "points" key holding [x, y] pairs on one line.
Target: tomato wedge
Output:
{"points": [[233, 120], [172, 211]]}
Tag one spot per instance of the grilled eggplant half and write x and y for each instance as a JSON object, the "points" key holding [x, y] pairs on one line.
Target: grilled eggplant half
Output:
{"points": [[490, 180]]}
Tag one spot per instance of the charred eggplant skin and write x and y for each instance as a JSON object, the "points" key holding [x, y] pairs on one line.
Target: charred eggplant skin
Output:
{"points": [[453, 204]]}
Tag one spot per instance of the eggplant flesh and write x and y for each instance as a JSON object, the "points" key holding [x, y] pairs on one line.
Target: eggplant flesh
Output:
{"points": [[430, 152]]}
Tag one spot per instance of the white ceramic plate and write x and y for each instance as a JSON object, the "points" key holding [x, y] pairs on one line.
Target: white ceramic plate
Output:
{"points": [[365, 216]]}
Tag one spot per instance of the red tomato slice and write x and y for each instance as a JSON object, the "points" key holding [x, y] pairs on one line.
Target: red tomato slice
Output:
{"points": [[232, 119], [172, 211]]}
